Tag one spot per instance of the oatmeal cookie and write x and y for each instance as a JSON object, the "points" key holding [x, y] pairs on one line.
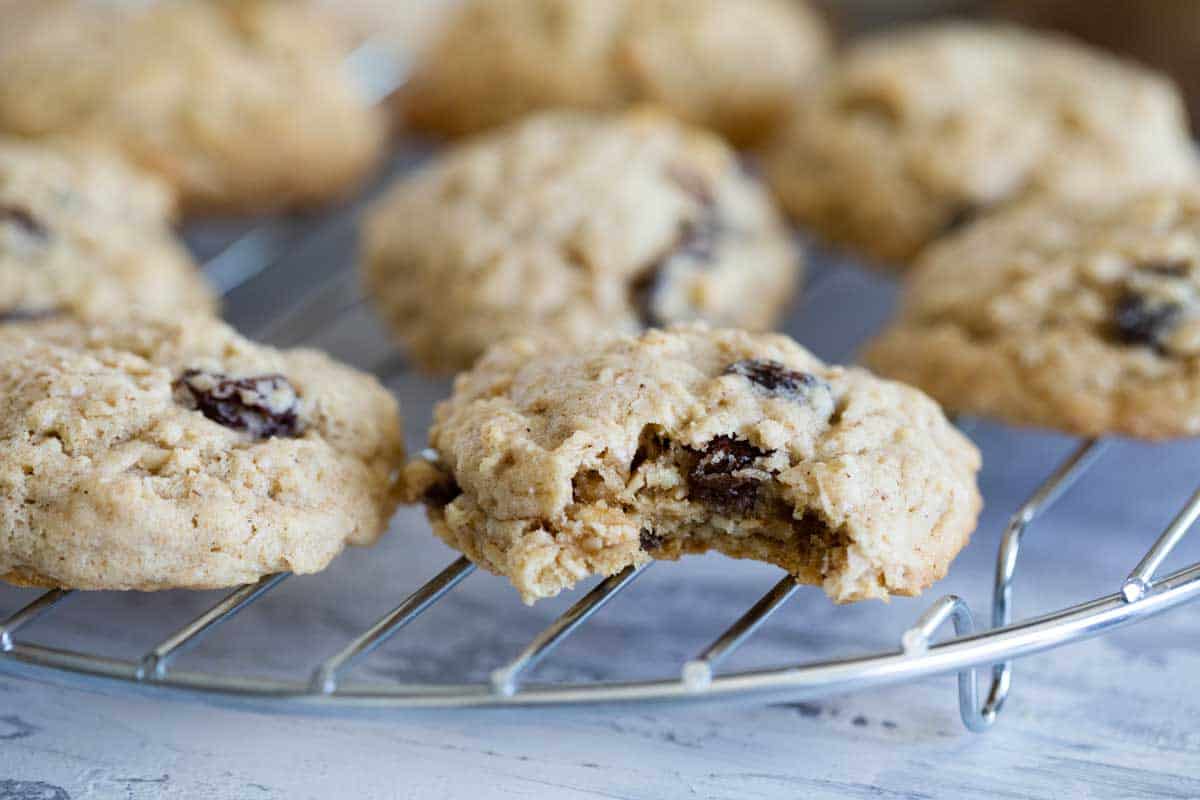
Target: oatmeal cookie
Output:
{"points": [[914, 133], [153, 455], [550, 463], [82, 234], [242, 105], [732, 65], [1080, 317], [570, 224]]}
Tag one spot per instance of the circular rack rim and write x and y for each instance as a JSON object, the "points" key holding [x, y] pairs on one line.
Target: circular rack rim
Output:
{"points": [[915, 659], [1140, 597]]}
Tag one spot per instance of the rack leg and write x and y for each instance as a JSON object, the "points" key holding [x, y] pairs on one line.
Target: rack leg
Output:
{"points": [[1142, 577], [325, 677], [698, 673], [1046, 495], [156, 662], [29, 614], [506, 679], [916, 641]]}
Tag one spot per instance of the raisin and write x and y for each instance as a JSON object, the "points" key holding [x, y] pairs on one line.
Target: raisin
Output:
{"points": [[1141, 320], [28, 314], [876, 106], [712, 480], [697, 241], [693, 182], [776, 379], [262, 405], [643, 295], [650, 540], [442, 493], [750, 167], [23, 220], [960, 217], [1166, 269]]}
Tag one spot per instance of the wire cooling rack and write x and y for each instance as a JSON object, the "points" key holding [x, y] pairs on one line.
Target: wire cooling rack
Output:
{"points": [[276, 277]]}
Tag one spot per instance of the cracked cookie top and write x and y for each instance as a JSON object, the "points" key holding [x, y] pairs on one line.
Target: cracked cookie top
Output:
{"points": [[732, 65], [914, 133], [553, 462], [153, 454], [570, 223], [1081, 317]]}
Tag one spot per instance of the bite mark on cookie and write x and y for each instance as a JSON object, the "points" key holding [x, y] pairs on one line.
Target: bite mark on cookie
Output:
{"points": [[263, 406]]}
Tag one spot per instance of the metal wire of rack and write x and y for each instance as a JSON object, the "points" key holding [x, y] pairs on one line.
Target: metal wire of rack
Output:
{"points": [[252, 255]]}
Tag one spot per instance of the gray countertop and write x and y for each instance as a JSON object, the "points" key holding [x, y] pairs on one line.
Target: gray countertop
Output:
{"points": [[1112, 717]]}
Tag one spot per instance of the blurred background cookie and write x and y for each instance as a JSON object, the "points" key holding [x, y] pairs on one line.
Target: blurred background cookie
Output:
{"points": [[83, 234], [1080, 317], [1163, 33], [242, 106], [915, 132], [574, 224], [731, 65]]}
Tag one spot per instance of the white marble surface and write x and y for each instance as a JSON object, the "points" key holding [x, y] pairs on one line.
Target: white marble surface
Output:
{"points": [[1115, 717]]}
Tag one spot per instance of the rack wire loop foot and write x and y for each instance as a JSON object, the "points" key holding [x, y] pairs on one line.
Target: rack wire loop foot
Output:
{"points": [[506, 679], [154, 664], [698, 673], [916, 641], [325, 677], [29, 614], [1044, 497]]}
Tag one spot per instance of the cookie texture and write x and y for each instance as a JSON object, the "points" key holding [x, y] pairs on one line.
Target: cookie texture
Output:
{"points": [[1083, 318], [241, 105], [82, 234], [912, 134], [154, 455], [732, 65], [570, 224], [552, 463]]}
